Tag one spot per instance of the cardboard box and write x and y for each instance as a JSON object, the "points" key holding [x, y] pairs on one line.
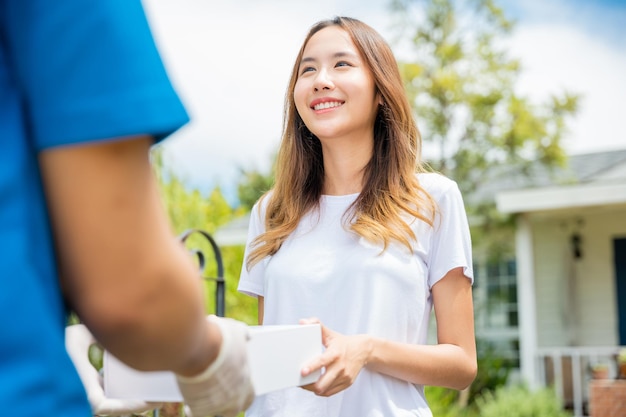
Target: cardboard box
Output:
{"points": [[276, 355]]}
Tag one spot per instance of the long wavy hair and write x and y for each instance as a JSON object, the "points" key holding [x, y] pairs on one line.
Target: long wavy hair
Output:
{"points": [[391, 189]]}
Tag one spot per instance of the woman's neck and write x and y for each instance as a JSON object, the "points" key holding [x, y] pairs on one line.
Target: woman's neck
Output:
{"points": [[345, 160], [344, 175]]}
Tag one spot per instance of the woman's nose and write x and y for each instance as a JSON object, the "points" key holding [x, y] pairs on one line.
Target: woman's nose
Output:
{"points": [[323, 81]]}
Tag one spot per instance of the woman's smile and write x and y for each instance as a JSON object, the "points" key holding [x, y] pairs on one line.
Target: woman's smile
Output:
{"points": [[325, 104]]}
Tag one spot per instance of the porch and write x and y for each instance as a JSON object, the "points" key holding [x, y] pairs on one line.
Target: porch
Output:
{"points": [[569, 371], [571, 274]]}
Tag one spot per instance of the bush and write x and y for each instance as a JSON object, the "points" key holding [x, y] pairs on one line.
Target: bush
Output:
{"points": [[493, 370], [519, 401], [443, 402]]}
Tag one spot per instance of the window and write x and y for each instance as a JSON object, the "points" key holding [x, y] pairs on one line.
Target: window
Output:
{"points": [[495, 298]]}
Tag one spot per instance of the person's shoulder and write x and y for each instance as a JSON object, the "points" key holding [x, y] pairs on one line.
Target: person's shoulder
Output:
{"points": [[436, 184], [261, 204]]}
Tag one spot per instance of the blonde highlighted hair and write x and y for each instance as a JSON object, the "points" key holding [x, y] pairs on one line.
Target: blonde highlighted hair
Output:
{"points": [[391, 189]]}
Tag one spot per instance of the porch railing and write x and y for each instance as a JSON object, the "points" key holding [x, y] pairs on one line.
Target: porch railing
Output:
{"points": [[569, 371]]}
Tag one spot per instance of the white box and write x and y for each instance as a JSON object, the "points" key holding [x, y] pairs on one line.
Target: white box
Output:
{"points": [[276, 355]]}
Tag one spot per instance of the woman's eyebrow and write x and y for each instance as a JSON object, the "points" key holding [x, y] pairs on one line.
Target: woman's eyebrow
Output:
{"points": [[307, 59], [340, 54]]}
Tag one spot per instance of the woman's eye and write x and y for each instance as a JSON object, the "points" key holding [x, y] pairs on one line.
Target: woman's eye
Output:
{"points": [[306, 69], [342, 64]]}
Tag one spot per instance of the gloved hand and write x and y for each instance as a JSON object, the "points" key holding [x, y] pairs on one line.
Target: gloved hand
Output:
{"points": [[78, 339], [225, 387]]}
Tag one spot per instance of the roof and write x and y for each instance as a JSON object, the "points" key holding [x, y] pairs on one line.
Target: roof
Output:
{"points": [[592, 179], [233, 233]]}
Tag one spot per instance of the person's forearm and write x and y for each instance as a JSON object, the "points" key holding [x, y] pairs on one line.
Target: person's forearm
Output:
{"points": [[158, 324], [122, 269], [438, 365], [144, 301]]}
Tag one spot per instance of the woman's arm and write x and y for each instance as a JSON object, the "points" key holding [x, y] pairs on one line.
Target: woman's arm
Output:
{"points": [[451, 363]]}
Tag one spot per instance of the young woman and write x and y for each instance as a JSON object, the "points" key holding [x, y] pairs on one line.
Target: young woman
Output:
{"points": [[355, 234]]}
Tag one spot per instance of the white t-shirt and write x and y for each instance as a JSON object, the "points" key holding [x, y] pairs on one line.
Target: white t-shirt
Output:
{"points": [[324, 270]]}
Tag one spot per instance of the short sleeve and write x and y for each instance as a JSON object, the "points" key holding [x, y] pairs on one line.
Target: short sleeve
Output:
{"points": [[451, 245], [251, 281], [89, 70]]}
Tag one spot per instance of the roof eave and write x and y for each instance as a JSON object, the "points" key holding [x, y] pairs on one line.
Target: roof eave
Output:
{"points": [[563, 197]]}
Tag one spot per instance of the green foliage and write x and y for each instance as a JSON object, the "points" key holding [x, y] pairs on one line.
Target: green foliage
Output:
{"points": [[492, 232], [96, 355], [519, 401], [189, 209], [509, 401], [72, 318], [443, 402], [239, 306], [493, 371], [252, 185], [461, 82]]}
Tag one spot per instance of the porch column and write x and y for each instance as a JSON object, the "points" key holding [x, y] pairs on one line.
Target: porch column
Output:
{"points": [[527, 313]]}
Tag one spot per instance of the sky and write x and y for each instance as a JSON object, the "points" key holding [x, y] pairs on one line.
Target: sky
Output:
{"points": [[230, 61]]}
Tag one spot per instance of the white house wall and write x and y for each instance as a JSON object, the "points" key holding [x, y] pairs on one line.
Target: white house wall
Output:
{"points": [[599, 311], [550, 245], [575, 301]]}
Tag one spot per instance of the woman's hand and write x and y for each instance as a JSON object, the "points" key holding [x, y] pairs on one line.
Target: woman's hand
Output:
{"points": [[342, 361]]}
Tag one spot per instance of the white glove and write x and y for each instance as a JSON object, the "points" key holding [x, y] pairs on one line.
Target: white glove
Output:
{"points": [[78, 339], [225, 387]]}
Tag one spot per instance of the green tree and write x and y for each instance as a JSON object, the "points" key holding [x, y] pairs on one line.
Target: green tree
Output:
{"points": [[476, 126], [253, 184], [189, 209], [461, 81]]}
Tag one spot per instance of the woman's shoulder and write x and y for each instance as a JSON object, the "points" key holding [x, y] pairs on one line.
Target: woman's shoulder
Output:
{"points": [[260, 207], [436, 184]]}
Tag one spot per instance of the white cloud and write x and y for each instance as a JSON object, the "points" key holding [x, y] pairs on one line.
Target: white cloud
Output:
{"points": [[560, 58]]}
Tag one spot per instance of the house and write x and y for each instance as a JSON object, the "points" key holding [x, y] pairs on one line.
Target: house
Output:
{"points": [[234, 233], [571, 270]]}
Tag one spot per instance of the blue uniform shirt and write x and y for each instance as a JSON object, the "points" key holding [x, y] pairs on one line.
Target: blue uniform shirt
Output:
{"points": [[71, 72]]}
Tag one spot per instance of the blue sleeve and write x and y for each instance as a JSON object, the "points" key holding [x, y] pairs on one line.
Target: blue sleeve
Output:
{"points": [[89, 70]]}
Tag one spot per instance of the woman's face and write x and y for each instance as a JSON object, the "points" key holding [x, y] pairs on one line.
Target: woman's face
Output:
{"points": [[335, 92]]}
